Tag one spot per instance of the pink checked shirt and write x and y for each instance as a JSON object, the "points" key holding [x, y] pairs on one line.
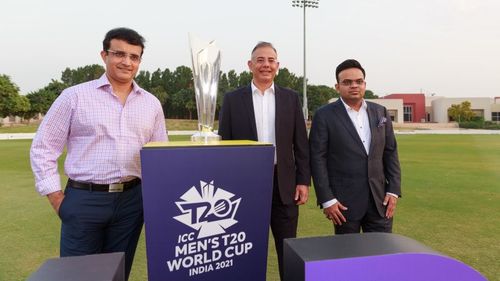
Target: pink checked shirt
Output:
{"points": [[103, 137]]}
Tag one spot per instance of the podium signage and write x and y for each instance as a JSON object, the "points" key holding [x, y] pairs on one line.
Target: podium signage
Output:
{"points": [[206, 211]]}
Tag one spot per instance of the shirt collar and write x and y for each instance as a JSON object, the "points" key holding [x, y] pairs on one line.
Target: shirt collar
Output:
{"points": [[256, 90], [364, 105], [103, 81]]}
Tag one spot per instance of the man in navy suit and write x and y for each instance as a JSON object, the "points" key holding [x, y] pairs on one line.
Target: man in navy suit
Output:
{"points": [[269, 113], [354, 158]]}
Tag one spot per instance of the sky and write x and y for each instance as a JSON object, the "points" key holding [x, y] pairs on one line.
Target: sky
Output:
{"points": [[445, 48]]}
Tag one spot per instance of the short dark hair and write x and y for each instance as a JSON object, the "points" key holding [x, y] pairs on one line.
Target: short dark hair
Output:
{"points": [[126, 34], [263, 44], [350, 63]]}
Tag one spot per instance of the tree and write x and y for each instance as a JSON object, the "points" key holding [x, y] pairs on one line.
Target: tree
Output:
{"points": [[71, 77], [11, 103], [222, 89], [370, 95], [157, 88], [179, 87], [161, 95], [461, 112], [318, 96], [287, 79], [55, 87], [168, 81], [233, 79], [22, 107], [183, 78], [183, 104], [156, 79], [244, 79], [40, 102], [143, 79]]}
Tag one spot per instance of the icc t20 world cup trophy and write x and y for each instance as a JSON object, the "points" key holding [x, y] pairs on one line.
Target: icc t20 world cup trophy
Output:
{"points": [[206, 66]]}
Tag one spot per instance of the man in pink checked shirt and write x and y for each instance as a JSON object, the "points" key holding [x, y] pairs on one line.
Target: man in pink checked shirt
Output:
{"points": [[103, 123]]}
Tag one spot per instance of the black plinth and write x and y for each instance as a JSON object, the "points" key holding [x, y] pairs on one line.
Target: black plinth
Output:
{"points": [[102, 267], [369, 256]]}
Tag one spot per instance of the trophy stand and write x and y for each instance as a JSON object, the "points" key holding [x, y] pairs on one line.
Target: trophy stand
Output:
{"points": [[205, 135]]}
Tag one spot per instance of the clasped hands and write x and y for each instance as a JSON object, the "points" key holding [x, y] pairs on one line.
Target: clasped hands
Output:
{"points": [[334, 212]]}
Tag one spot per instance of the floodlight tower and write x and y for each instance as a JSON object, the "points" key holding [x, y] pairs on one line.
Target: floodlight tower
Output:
{"points": [[304, 4]]}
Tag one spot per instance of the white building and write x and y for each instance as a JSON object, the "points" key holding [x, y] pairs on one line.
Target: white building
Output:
{"points": [[417, 108]]}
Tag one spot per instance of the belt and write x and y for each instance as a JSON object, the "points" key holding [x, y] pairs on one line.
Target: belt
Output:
{"points": [[113, 187]]}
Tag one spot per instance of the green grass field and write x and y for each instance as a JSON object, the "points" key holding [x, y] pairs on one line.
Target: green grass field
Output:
{"points": [[451, 202]]}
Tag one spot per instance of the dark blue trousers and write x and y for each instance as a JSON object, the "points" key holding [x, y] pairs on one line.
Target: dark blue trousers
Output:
{"points": [[95, 222], [370, 222]]}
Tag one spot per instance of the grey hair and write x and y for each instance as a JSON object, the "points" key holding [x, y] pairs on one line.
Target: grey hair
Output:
{"points": [[263, 44]]}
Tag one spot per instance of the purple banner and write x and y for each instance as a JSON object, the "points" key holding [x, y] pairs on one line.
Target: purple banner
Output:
{"points": [[206, 211]]}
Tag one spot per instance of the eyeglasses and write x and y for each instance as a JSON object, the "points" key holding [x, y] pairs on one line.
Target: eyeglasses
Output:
{"points": [[122, 55], [349, 82], [261, 60]]}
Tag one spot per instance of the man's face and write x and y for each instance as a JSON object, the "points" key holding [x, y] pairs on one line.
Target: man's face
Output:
{"points": [[263, 65], [351, 85], [122, 61]]}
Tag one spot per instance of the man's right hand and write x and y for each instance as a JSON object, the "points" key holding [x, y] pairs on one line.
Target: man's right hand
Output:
{"points": [[334, 213], [55, 199]]}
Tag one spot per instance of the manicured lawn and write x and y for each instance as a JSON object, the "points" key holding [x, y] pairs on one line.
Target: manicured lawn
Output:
{"points": [[18, 129], [451, 202], [452, 197]]}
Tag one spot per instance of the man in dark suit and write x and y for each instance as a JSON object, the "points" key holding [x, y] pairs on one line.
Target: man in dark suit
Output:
{"points": [[354, 158], [266, 112]]}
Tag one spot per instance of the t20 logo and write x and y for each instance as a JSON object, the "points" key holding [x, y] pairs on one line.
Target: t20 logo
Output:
{"points": [[210, 210]]}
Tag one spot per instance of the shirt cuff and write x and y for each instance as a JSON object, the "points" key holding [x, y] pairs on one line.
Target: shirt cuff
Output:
{"points": [[392, 194], [49, 185], [329, 203]]}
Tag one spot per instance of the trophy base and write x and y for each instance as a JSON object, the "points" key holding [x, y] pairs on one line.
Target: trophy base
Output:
{"points": [[205, 137]]}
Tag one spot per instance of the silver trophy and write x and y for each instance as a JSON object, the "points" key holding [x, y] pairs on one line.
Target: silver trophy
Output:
{"points": [[206, 66]]}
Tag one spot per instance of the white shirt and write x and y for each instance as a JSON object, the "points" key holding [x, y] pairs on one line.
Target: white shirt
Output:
{"points": [[361, 123], [264, 107]]}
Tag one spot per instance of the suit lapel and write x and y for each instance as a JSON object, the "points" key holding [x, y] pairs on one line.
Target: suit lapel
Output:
{"points": [[344, 118], [248, 103], [373, 119], [278, 102]]}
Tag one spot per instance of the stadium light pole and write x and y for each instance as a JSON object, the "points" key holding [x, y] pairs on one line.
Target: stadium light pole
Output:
{"points": [[304, 4]]}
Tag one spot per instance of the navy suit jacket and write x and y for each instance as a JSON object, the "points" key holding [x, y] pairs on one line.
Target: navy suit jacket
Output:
{"points": [[237, 122], [342, 169]]}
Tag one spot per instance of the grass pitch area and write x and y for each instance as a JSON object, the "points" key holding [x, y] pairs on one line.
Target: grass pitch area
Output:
{"points": [[451, 203]]}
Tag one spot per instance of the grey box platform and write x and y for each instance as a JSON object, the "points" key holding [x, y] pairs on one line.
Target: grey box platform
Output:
{"points": [[369, 256], [101, 267]]}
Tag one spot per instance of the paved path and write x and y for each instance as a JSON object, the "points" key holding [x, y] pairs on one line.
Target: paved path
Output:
{"points": [[25, 136], [18, 136]]}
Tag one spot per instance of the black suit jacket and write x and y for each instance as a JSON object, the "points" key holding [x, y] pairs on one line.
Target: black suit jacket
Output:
{"points": [[237, 122], [342, 169]]}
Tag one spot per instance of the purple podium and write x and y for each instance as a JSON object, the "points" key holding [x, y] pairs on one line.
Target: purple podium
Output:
{"points": [[369, 256], [207, 209]]}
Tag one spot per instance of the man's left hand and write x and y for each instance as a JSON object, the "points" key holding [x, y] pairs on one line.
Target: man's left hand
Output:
{"points": [[301, 194], [391, 202]]}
